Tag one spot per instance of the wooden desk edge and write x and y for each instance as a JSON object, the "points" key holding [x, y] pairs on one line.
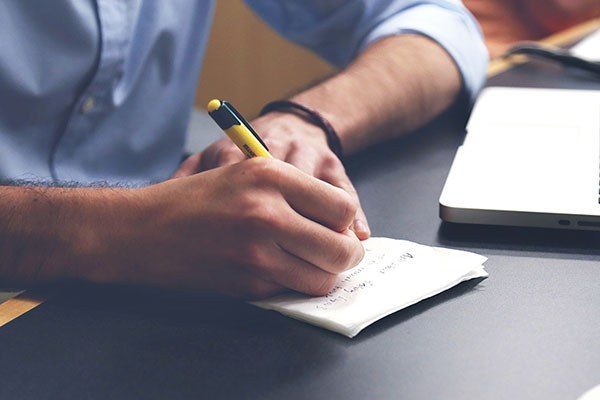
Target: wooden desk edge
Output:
{"points": [[563, 38], [19, 305], [25, 302]]}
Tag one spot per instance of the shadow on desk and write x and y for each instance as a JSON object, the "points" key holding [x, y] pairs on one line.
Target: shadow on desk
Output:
{"points": [[165, 306], [221, 315], [199, 342], [539, 240], [186, 344], [463, 289]]}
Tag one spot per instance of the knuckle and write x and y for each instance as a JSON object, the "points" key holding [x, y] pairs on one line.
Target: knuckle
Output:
{"points": [[348, 206], [263, 170], [253, 256], [348, 255], [247, 202], [359, 254], [351, 190], [351, 202], [332, 162], [259, 217], [343, 257], [295, 145], [352, 207]]}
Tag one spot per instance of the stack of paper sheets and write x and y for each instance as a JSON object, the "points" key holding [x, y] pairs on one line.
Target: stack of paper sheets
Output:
{"points": [[588, 48], [393, 275]]}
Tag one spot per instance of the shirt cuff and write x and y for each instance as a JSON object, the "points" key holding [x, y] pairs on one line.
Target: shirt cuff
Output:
{"points": [[453, 28]]}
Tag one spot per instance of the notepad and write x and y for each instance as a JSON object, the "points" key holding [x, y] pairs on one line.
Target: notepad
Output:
{"points": [[588, 48], [393, 275]]}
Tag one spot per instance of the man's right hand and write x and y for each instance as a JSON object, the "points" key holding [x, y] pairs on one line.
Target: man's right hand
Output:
{"points": [[251, 229]]}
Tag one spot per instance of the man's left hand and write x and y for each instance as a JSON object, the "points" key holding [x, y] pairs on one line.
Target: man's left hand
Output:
{"points": [[289, 138]]}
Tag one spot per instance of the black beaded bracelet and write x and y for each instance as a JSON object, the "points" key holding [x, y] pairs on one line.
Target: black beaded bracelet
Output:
{"points": [[312, 116]]}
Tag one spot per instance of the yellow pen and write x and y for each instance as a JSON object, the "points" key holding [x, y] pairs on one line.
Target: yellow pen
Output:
{"points": [[238, 129]]}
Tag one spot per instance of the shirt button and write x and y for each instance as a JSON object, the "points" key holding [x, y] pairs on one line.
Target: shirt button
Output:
{"points": [[88, 105]]}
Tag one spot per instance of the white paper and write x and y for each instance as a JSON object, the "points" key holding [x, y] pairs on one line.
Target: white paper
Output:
{"points": [[588, 48], [393, 275], [592, 394]]}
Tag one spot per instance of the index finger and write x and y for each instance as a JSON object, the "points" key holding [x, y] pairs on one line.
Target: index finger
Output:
{"points": [[220, 154], [318, 200], [338, 178]]}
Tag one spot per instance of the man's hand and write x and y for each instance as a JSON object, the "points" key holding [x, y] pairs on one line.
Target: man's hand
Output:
{"points": [[293, 140], [393, 87], [252, 229]]}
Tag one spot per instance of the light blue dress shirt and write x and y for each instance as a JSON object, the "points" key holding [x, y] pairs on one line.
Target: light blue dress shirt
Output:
{"points": [[102, 90]]}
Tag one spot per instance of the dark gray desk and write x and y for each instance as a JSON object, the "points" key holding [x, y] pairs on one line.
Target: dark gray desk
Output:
{"points": [[531, 331]]}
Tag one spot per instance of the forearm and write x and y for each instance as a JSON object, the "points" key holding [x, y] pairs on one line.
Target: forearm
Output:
{"points": [[50, 234], [393, 87]]}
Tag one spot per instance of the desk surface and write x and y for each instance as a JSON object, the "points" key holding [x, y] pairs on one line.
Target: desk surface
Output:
{"points": [[531, 331]]}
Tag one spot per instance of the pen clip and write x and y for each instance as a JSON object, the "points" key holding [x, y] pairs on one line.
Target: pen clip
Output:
{"points": [[244, 122]]}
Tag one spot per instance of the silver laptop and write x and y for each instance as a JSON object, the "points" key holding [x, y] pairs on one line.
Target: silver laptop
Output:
{"points": [[531, 157]]}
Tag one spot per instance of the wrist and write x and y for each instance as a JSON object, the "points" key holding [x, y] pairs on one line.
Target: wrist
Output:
{"points": [[105, 222], [277, 123], [311, 116]]}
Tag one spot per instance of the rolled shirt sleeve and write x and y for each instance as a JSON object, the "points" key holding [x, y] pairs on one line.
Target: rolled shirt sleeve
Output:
{"points": [[338, 30]]}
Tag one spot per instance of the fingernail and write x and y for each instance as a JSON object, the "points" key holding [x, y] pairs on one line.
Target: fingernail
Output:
{"points": [[361, 228]]}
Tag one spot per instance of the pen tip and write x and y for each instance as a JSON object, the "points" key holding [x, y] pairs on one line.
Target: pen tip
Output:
{"points": [[213, 105]]}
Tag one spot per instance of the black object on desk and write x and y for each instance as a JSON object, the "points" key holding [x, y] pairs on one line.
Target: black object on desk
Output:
{"points": [[562, 56], [531, 331]]}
